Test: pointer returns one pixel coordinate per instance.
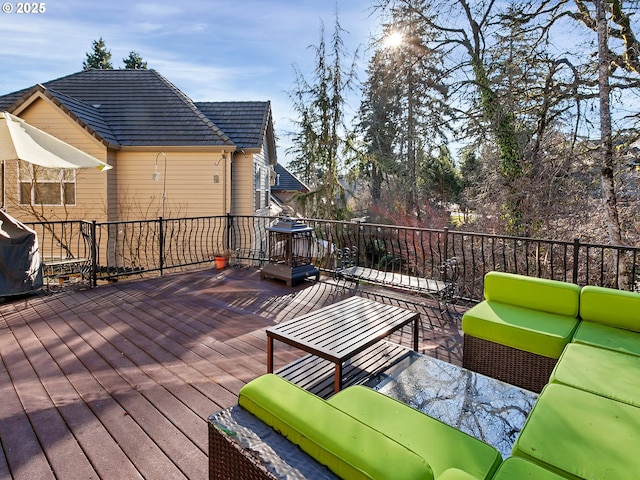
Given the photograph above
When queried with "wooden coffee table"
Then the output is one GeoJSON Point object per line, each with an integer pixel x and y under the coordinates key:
{"type": "Point", "coordinates": [340, 331]}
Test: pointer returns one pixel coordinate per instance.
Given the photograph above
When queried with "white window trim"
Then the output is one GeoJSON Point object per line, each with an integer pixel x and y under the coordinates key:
{"type": "Point", "coordinates": [61, 181]}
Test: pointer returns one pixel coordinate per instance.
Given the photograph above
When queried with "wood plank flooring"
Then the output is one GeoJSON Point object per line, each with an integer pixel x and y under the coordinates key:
{"type": "Point", "coordinates": [117, 382]}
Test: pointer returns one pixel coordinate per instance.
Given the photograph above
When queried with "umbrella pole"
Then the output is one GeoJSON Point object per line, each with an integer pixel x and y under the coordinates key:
{"type": "Point", "coordinates": [2, 191]}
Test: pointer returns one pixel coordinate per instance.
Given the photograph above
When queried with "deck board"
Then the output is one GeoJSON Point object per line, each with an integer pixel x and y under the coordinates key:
{"type": "Point", "coordinates": [118, 381]}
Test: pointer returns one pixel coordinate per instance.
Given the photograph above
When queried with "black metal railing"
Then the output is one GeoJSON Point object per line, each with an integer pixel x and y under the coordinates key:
{"type": "Point", "coordinates": [117, 249]}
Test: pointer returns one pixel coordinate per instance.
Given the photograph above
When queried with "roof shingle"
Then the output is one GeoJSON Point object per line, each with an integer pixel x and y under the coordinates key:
{"type": "Point", "coordinates": [287, 182]}
{"type": "Point", "coordinates": [244, 122]}
{"type": "Point", "coordinates": [131, 108]}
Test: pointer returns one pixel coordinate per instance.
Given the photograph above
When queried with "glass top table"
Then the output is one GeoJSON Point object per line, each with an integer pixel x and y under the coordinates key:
{"type": "Point", "coordinates": [486, 408]}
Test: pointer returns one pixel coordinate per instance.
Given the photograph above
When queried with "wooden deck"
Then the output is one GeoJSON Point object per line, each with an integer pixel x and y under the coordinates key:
{"type": "Point", "coordinates": [117, 382]}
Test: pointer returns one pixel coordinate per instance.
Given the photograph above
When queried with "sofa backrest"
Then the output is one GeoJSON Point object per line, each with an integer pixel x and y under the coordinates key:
{"type": "Point", "coordinates": [608, 306]}
{"type": "Point", "coordinates": [541, 294]}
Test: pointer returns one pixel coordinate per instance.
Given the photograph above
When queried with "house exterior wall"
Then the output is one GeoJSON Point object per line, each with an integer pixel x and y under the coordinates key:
{"type": "Point", "coordinates": [242, 184]}
{"type": "Point", "coordinates": [251, 172]}
{"type": "Point", "coordinates": [189, 183]}
{"type": "Point", "coordinates": [199, 181]}
{"type": "Point", "coordinates": [112, 186]}
{"type": "Point", "coordinates": [90, 184]}
{"type": "Point", "coordinates": [262, 164]}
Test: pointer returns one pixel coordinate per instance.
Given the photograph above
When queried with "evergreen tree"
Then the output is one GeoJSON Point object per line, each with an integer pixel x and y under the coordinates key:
{"type": "Point", "coordinates": [403, 107]}
{"type": "Point", "coordinates": [378, 115]}
{"type": "Point", "coordinates": [134, 62]}
{"type": "Point", "coordinates": [100, 58]}
{"type": "Point", "coordinates": [470, 180]}
{"type": "Point", "coordinates": [320, 142]}
{"type": "Point", "coordinates": [442, 177]}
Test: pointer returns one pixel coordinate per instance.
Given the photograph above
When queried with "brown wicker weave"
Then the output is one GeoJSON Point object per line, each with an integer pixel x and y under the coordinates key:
{"type": "Point", "coordinates": [517, 367]}
{"type": "Point", "coordinates": [229, 461]}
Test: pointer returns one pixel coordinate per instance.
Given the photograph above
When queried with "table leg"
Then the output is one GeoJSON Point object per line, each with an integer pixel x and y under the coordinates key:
{"type": "Point", "coordinates": [416, 330]}
{"type": "Point", "coordinates": [269, 354]}
{"type": "Point", "coordinates": [337, 382]}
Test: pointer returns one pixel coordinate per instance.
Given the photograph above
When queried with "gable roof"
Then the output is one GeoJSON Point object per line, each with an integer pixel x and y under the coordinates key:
{"type": "Point", "coordinates": [287, 182]}
{"type": "Point", "coordinates": [128, 108]}
{"type": "Point", "coordinates": [87, 115]}
{"type": "Point", "coordinates": [246, 123]}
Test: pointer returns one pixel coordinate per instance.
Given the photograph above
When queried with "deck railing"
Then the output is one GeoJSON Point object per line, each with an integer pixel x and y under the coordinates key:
{"type": "Point", "coordinates": [116, 249]}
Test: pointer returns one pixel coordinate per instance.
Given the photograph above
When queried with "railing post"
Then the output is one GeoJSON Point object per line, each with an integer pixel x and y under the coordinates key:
{"type": "Point", "coordinates": [446, 254]}
{"type": "Point", "coordinates": [228, 228]}
{"type": "Point", "coordinates": [358, 230]}
{"type": "Point", "coordinates": [576, 257]}
{"type": "Point", "coordinates": [94, 255]}
{"type": "Point", "coordinates": [161, 245]}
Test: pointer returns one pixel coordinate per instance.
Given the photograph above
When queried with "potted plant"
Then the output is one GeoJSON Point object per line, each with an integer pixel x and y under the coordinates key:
{"type": "Point", "coordinates": [222, 258]}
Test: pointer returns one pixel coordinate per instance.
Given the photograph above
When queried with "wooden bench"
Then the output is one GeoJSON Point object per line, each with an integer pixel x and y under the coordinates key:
{"type": "Point", "coordinates": [63, 268]}
{"type": "Point", "coordinates": [348, 268]}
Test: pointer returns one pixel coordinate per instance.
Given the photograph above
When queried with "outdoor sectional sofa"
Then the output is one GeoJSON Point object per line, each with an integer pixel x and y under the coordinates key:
{"type": "Point", "coordinates": [585, 423]}
{"type": "Point", "coordinates": [360, 434]}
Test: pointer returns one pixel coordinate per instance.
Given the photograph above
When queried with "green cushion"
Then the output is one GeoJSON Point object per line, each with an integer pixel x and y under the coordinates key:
{"type": "Point", "coordinates": [550, 296]}
{"type": "Point", "coordinates": [533, 331]}
{"type": "Point", "coordinates": [595, 334]}
{"type": "Point", "coordinates": [610, 307]}
{"type": "Point", "coordinates": [455, 474]}
{"type": "Point", "coordinates": [603, 372]}
{"type": "Point", "coordinates": [349, 448]}
{"type": "Point", "coordinates": [515, 468]}
{"type": "Point", "coordinates": [583, 434]}
{"type": "Point", "coordinates": [442, 446]}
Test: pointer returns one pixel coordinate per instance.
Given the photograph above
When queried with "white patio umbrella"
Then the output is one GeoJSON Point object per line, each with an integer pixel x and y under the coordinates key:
{"type": "Point", "coordinates": [21, 141]}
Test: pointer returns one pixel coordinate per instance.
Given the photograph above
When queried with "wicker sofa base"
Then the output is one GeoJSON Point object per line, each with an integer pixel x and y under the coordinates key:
{"type": "Point", "coordinates": [517, 367]}
{"type": "Point", "coordinates": [228, 460]}
{"type": "Point", "coordinates": [241, 447]}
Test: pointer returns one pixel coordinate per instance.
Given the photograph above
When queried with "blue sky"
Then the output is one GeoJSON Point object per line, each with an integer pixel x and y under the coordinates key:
{"type": "Point", "coordinates": [213, 50]}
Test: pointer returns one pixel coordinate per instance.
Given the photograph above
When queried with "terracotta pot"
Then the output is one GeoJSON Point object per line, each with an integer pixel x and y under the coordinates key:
{"type": "Point", "coordinates": [221, 262]}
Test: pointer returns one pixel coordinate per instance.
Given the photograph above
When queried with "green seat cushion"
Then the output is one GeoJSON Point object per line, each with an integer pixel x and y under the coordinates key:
{"type": "Point", "coordinates": [595, 334]}
{"type": "Point", "coordinates": [551, 296]}
{"type": "Point", "coordinates": [583, 434]}
{"type": "Point", "coordinates": [442, 446]}
{"type": "Point", "coordinates": [611, 307]}
{"type": "Point", "coordinates": [515, 468]}
{"type": "Point", "coordinates": [533, 331]}
{"type": "Point", "coordinates": [348, 447]}
{"type": "Point", "coordinates": [603, 372]}
{"type": "Point", "coordinates": [455, 474]}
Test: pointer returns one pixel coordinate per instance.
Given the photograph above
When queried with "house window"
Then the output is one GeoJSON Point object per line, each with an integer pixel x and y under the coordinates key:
{"type": "Point", "coordinates": [46, 186]}
{"type": "Point", "coordinates": [258, 187]}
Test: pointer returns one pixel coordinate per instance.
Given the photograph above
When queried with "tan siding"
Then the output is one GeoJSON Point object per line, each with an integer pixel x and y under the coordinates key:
{"type": "Point", "coordinates": [128, 191]}
{"type": "Point", "coordinates": [112, 186]}
{"type": "Point", "coordinates": [190, 187]}
{"type": "Point", "coordinates": [262, 161]}
{"type": "Point", "coordinates": [91, 193]}
{"type": "Point", "coordinates": [242, 185]}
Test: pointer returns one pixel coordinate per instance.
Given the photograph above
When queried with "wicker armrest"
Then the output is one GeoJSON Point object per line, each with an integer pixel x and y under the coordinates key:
{"type": "Point", "coordinates": [243, 447]}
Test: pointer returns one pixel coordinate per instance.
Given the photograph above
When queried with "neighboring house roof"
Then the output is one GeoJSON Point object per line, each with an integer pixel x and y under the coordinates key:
{"type": "Point", "coordinates": [287, 182]}
{"type": "Point", "coordinates": [128, 108]}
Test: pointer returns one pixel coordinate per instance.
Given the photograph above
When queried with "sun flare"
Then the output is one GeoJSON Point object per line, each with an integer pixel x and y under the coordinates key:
{"type": "Point", "coordinates": [393, 40]}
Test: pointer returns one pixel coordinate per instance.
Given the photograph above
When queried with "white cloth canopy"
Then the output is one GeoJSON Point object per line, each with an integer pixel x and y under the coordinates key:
{"type": "Point", "coordinates": [21, 141]}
